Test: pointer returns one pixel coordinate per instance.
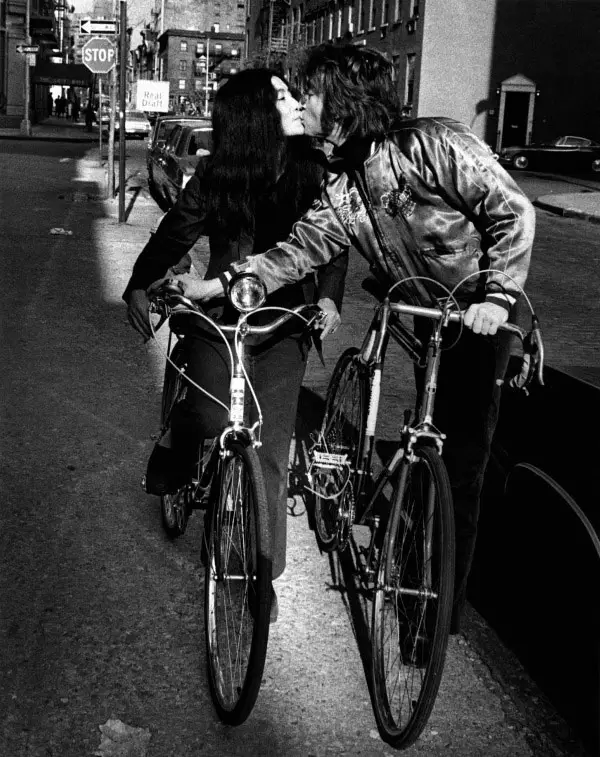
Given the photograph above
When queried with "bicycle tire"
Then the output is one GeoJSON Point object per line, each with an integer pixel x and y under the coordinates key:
{"type": "Point", "coordinates": [342, 431]}
{"type": "Point", "coordinates": [410, 631]}
{"type": "Point", "coordinates": [174, 507]}
{"type": "Point", "coordinates": [238, 583]}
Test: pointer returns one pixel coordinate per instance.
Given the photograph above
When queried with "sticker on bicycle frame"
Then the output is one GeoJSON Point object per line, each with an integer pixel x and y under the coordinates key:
{"type": "Point", "coordinates": [329, 460]}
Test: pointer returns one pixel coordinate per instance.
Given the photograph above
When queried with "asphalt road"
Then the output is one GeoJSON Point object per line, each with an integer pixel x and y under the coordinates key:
{"type": "Point", "coordinates": [100, 613]}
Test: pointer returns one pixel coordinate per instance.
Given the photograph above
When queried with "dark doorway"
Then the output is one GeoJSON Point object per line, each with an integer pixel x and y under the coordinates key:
{"type": "Point", "coordinates": [516, 110]}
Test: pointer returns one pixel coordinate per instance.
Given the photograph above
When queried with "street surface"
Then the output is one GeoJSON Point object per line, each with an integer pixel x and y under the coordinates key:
{"type": "Point", "coordinates": [100, 614]}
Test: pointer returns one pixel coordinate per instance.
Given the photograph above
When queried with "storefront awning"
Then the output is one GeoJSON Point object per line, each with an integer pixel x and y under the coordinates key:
{"type": "Point", "coordinates": [68, 74]}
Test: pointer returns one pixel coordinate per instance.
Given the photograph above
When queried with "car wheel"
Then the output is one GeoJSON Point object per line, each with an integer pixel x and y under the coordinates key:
{"type": "Point", "coordinates": [520, 162]}
{"type": "Point", "coordinates": [596, 165]}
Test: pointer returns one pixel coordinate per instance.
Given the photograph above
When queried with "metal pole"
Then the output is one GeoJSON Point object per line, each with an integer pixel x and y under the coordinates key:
{"type": "Point", "coordinates": [111, 133]}
{"type": "Point", "coordinates": [99, 79]}
{"type": "Point", "coordinates": [26, 123]}
{"type": "Point", "coordinates": [122, 85]}
{"type": "Point", "coordinates": [206, 86]}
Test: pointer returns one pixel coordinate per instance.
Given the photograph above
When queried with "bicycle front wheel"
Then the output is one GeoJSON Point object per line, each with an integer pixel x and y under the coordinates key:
{"type": "Point", "coordinates": [413, 599]}
{"type": "Point", "coordinates": [342, 433]}
{"type": "Point", "coordinates": [174, 507]}
{"type": "Point", "coordinates": [238, 583]}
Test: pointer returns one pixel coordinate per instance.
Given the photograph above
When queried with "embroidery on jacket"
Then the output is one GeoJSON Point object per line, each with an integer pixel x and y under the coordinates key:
{"type": "Point", "coordinates": [399, 200]}
{"type": "Point", "coordinates": [350, 208]}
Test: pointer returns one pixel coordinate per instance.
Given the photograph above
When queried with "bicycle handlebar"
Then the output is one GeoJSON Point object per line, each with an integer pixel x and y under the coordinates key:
{"type": "Point", "coordinates": [168, 301]}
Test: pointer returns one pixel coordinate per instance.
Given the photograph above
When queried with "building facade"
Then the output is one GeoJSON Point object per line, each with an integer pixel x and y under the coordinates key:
{"type": "Point", "coordinates": [515, 71]}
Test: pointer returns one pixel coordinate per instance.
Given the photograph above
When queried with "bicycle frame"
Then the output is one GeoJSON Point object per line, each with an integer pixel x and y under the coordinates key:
{"type": "Point", "coordinates": [372, 355]}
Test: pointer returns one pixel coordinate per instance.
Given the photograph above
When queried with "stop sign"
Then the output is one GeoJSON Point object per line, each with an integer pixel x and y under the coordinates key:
{"type": "Point", "coordinates": [98, 54]}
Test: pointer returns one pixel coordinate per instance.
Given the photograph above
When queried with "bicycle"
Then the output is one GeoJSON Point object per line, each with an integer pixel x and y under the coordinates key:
{"type": "Point", "coordinates": [228, 483]}
{"type": "Point", "coordinates": [408, 566]}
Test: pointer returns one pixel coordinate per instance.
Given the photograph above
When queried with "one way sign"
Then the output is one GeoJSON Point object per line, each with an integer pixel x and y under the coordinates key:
{"type": "Point", "coordinates": [97, 26]}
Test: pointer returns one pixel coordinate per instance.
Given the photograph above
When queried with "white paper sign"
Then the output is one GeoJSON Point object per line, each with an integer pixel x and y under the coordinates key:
{"type": "Point", "coordinates": [152, 95]}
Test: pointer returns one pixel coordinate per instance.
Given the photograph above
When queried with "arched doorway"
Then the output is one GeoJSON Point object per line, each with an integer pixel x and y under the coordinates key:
{"type": "Point", "coordinates": [515, 116]}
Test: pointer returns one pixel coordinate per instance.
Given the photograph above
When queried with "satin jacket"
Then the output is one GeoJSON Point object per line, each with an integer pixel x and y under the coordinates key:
{"type": "Point", "coordinates": [429, 199]}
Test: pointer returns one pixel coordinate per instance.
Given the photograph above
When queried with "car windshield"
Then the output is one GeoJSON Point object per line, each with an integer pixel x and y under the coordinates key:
{"type": "Point", "coordinates": [135, 114]}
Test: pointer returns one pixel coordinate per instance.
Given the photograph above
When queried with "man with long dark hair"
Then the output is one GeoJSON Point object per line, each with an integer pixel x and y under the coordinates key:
{"type": "Point", "coordinates": [420, 197]}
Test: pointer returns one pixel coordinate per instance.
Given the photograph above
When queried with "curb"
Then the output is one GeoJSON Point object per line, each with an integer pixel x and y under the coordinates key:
{"type": "Point", "coordinates": [567, 212]}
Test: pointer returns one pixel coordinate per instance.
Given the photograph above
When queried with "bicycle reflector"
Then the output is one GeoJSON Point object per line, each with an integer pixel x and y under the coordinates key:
{"type": "Point", "coordinates": [247, 292]}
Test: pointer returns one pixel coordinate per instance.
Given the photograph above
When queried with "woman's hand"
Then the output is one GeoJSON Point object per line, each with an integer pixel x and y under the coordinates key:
{"type": "Point", "coordinates": [193, 285]}
{"type": "Point", "coordinates": [137, 312]}
{"type": "Point", "coordinates": [332, 320]}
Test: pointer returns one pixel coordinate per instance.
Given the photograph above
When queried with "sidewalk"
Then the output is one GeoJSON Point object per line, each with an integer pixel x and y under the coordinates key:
{"type": "Point", "coordinates": [584, 205]}
{"type": "Point", "coordinates": [53, 128]}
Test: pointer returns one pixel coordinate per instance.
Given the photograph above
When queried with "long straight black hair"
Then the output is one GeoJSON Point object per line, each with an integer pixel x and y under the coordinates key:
{"type": "Point", "coordinates": [250, 154]}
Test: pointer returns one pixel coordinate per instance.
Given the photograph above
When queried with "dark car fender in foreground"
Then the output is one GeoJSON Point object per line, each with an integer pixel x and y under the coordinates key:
{"type": "Point", "coordinates": [536, 575]}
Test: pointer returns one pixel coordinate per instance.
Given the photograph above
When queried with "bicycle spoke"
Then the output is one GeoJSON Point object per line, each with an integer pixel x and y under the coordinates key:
{"type": "Point", "coordinates": [237, 584]}
{"type": "Point", "coordinates": [411, 612]}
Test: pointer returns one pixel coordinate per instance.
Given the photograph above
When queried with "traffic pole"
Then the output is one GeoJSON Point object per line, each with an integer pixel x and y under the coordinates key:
{"type": "Point", "coordinates": [122, 85]}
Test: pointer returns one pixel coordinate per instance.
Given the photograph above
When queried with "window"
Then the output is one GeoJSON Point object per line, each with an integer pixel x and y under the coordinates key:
{"type": "Point", "coordinates": [199, 48]}
{"type": "Point", "coordinates": [198, 84]}
{"type": "Point", "coordinates": [182, 84]}
{"type": "Point", "coordinates": [339, 16]}
{"type": "Point", "coordinates": [183, 66]}
{"type": "Point", "coordinates": [330, 25]}
{"type": "Point", "coordinates": [409, 85]}
{"type": "Point", "coordinates": [234, 52]}
{"type": "Point", "coordinates": [183, 46]}
{"type": "Point", "coordinates": [397, 10]}
{"type": "Point", "coordinates": [395, 68]}
{"type": "Point", "coordinates": [350, 22]}
{"type": "Point", "coordinates": [372, 15]}
{"type": "Point", "coordinates": [313, 32]}
{"type": "Point", "coordinates": [218, 48]}
{"type": "Point", "coordinates": [385, 12]}
{"type": "Point", "coordinates": [199, 67]}
{"type": "Point", "coordinates": [414, 8]}
{"type": "Point", "coordinates": [361, 15]}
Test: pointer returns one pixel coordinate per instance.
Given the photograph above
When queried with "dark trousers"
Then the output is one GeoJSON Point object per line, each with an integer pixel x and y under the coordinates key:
{"type": "Point", "coordinates": [276, 369]}
{"type": "Point", "coordinates": [466, 410]}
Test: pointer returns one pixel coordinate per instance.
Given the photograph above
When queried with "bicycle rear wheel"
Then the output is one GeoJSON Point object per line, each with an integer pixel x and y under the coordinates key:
{"type": "Point", "coordinates": [174, 507]}
{"type": "Point", "coordinates": [342, 433]}
{"type": "Point", "coordinates": [238, 584]}
{"type": "Point", "coordinates": [413, 599]}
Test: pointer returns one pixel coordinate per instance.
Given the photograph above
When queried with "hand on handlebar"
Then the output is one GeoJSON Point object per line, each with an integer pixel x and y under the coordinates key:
{"type": "Point", "coordinates": [331, 320]}
{"type": "Point", "coordinates": [485, 318]}
{"type": "Point", "coordinates": [137, 313]}
{"type": "Point", "coordinates": [193, 286]}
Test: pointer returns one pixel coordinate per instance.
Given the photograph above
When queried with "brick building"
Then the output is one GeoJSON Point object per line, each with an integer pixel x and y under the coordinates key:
{"type": "Point", "coordinates": [195, 63]}
{"type": "Point", "coordinates": [514, 71]}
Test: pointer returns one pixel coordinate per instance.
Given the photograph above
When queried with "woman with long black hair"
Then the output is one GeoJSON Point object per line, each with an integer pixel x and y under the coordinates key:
{"type": "Point", "coordinates": [261, 177]}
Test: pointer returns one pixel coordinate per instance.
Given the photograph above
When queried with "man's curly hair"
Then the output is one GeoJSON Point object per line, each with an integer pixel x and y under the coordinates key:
{"type": "Point", "coordinates": [357, 88]}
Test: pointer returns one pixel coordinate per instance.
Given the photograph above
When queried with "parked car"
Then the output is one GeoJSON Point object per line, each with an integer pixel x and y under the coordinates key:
{"type": "Point", "coordinates": [163, 126]}
{"type": "Point", "coordinates": [176, 162]}
{"type": "Point", "coordinates": [564, 153]}
{"type": "Point", "coordinates": [136, 124]}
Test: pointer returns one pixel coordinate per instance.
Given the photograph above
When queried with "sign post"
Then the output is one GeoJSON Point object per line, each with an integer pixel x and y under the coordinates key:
{"type": "Point", "coordinates": [26, 123]}
{"type": "Point", "coordinates": [122, 85]}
